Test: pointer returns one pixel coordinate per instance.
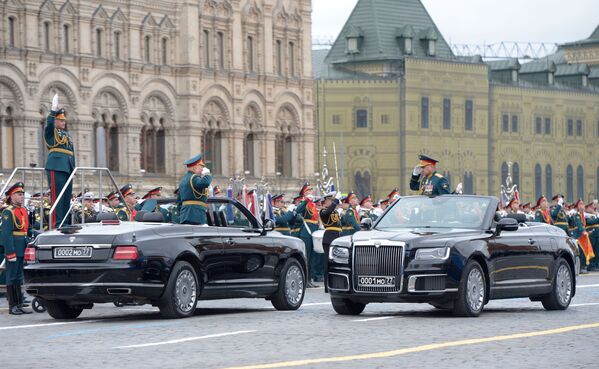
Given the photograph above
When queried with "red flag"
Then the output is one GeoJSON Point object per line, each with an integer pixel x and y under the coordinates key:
{"type": "Point", "coordinates": [585, 244]}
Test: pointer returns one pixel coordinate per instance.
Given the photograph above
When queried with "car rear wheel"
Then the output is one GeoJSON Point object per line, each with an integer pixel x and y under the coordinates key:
{"type": "Point", "coordinates": [472, 291]}
{"type": "Point", "coordinates": [347, 306]}
{"type": "Point", "coordinates": [292, 287]}
{"type": "Point", "coordinates": [61, 310]}
{"type": "Point", "coordinates": [561, 293]}
{"type": "Point", "coordinates": [180, 296]}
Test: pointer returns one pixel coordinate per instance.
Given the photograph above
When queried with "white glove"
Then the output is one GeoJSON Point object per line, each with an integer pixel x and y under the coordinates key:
{"type": "Point", "coordinates": [459, 188]}
{"type": "Point", "coordinates": [310, 197]}
{"type": "Point", "coordinates": [338, 195]}
{"type": "Point", "coordinates": [417, 170]}
{"type": "Point", "coordinates": [55, 103]}
{"type": "Point", "coordinates": [205, 172]}
{"type": "Point", "coordinates": [560, 201]}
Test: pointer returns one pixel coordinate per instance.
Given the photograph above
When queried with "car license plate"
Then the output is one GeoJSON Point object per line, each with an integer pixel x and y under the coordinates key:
{"type": "Point", "coordinates": [369, 281]}
{"type": "Point", "coordinates": [72, 252]}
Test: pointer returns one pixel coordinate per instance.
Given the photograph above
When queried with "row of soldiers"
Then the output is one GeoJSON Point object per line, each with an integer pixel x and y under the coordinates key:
{"type": "Point", "coordinates": [578, 220]}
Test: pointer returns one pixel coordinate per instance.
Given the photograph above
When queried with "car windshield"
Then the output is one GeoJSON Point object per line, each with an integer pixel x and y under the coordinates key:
{"type": "Point", "coordinates": [436, 212]}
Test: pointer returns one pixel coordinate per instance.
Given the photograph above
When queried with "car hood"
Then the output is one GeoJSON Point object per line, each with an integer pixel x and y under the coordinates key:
{"type": "Point", "coordinates": [423, 237]}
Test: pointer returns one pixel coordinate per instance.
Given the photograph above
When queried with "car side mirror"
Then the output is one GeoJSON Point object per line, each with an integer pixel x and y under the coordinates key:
{"type": "Point", "coordinates": [268, 226]}
{"type": "Point", "coordinates": [506, 224]}
{"type": "Point", "coordinates": [366, 224]}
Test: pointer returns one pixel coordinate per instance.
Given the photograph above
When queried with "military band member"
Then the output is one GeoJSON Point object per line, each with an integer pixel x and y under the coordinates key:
{"type": "Point", "coordinates": [307, 210]}
{"type": "Point", "coordinates": [193, 192]}
{"type": "Point", "coordinates": [87, 213]}
{"type": "Point", "coordinates": [61, 161]}
{"type": "Point", "coordinates": [297, 223]}
{"type": "Point", "coordinates": [544, 214]}
{"type": "Point", "coordinates": [580, 223]}
{"type": "Point", "coordinates": [426, 180]}
{"type": "Point", "coordinates": [559, 214]}
{"type": "Point", "coordinates": [332, 227]}
{"type": "Point", "coordinates": [351, 218]}
{"type": "Point", "coordinates": [14, 236]}
{"type": "Point", "coordinates": [282, 216]}
{"type": "Point", "coordinates": [513, 207]}
{"type": "Point", "coordinates": [122, 211]}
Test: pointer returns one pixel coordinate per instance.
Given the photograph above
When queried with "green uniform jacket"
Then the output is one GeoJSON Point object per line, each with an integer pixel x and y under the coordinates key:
{"type": "Point", "coordinates": [593, 228]}
{"type": "Point", "coordinates": [303, 210]}
{"type": "Point", "coordinates": [13, 243]}
{"type": "Point", "coordinates": [193, 197]}
{"type": "Point", "coordinates": [296, 225]}
{"type": "Point", "coordinates": [283, 220]}
{"type": "Point", "coordinates": [581, 227]}
{"type": "Point", "coordinates": [350, 222]}
{"type": "Point", "coordinates": [61, 150]}
{"type": "Point", "coordinates": [434, 185]}
{"type": "Point", "coordinates": [560, 218]}
{"type": "Point", "coordinates": [123, 213]}
{"type": "Point", "coordinates": [541, 219]}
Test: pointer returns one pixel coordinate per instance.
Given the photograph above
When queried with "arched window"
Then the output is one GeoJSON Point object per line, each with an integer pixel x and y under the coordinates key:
{"type": "Point", "coordinates": [161, 148]}
{"type": "Point", "coordinates": [147, 49]}
{"type": "Point", "coordinates": [291, 59]}
{"type": "Point", "coordinates": [207, 48]}
{"type": "Point", "coordinates": [112, 147]}
{"type": "Point", "coordinates": [287, 142]}
{"type": "Point", "coordinates": [570, 183]}
{"type": "Point", "coordinates": [468, 183]}
{"type": "Point", "coordinates": [516, 176]}
{"type": "Point", "coordinates": [212, 141]}
{"type": "Point", "coordinates": [580, 182]}
{"type": "Point", "coordinates": [250, 54]}
{"type": "Point", "coordinates": [46, 36]}
{"type": "Point", "coordinates": [117, 45]}
{"type": "Point", "coordinates": [249, 155]}
{"type": "Point", "coordinates": [279, 57]}
{"type": "Point", "coordinates": [504, 170]}
{"type": "Point", "coordinates": [164, 51]}
{"type": "Point", "coordinates": [66, 39]}
{"type": "Point", "coordinates": [548, 181]}
{"type": "Point", "coordinates": [221, 49]}
{"type": "Point", "coordinates": [99, 43]}
{"type": "Point", "coordinates": [6, 134]}
{"type": "Point", "coordinates": [538, 181]}
{"type": "Point", "coordinates": [11, 31]}
{"type": "Point", "coordinates": [362, 184]}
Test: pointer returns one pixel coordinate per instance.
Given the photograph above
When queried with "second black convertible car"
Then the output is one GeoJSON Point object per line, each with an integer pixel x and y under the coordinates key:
{"type": "Point", "coordinates": [167, 265]}
{"type": "Point", "coordinates": [452, 252]}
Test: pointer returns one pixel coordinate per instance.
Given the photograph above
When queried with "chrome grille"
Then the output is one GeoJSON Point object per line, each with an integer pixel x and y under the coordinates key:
{"type": "Point", "coordinates": [385, 260]}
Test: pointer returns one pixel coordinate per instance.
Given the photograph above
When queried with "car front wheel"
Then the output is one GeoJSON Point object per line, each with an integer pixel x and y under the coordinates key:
{"type": "Point", "coordinates": [181, 293]}
{"type": "Point", "coordinates": [292, 287]}
{"type": "Point", "coordinates": [472, 291]}
{"type": "Point", "coordinates": [561, 293]}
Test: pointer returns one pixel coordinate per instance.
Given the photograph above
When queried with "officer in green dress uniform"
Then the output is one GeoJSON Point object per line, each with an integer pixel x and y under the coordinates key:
{"type": "Point", "coordinates": [307, 210]}
{"type": "Point", "coordinates": [14, 236]}
{"type": "Point", "coordinates": [351, 218]}
{"type": "Point", "coordinates": [298, 222]}
{"type": "Point", "coordinates": [122, 211]}
{"type": "Point", "coordinates": [113, 200]}
{"type": "Point", "coordinates": [559, 215]}
{"type": "Point", "coordinates": [367, 209]}
{"type": "Point", "coordinates": [193, 192]}
{"type": "Point", "coordinates": [332, 227]}
{"type": "Point", "coordinates": [580, 223]}
{"type": "Point", "coordinates": [393, 196]}
{"type": "Point", "coordinates": [593, 231]}
{"type": "Point", "coordinates": [426, 180]}
{"type": "Point", "coordinates": [175, 210]}
{"type": "Point", "coordinates": [61, 161]}
{"type": "Point", "coordinates": [283, 218]}
{"type": "Point", "coordinates": [544, 214]}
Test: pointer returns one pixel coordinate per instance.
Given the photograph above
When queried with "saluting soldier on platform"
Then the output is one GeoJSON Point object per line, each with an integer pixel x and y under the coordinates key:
{"type": "Point", "coordinates": [283, 218]}
{"type": "Point", "coordinates": [122, 211]}
{"type": "Point", "coordinates": [193, 192]}
{"type": "Point", "coordinates": [15, 232]}
{"type": "Point", "coordinates": [426, 180]}
{"type": "Point", "coordinates": [61, 161]}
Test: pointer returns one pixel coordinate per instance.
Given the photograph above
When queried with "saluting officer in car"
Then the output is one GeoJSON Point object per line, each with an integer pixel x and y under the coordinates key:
{"type": "Point", "coordinates": [426, 180]}
{"type": "Point", "coordinates": [193, 192]}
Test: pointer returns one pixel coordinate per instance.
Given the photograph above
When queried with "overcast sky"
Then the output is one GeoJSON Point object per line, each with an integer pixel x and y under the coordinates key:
{"type": "Point", "coordinates": [480, 21]}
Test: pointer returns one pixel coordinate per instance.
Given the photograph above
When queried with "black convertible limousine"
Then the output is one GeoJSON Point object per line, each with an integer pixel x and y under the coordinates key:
{"type": "Point", "coordinates": [167, 265]}
{"type": "Point", "coordinates": [454, 253]}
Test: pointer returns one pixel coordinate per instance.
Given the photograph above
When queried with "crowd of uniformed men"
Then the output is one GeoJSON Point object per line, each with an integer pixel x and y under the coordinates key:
{"type": "Point", "coordinates": [335, 213]}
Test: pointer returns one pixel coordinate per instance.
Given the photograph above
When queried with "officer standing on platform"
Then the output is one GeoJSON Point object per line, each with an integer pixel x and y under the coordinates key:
{"type": "Point", "coordinates": [332, 227]}
{"type": "Point", "coordinates": [193, 192]}
{"type": "Point", "coordinates": [283, 218]}
{"type": "Point", "coordinates": [15, 229]}
{"type": "Point", "coordinates": [426, 180]}
{"type": "Point", "coordinates": [61, 161]}
{"type": "Point", "coordinates": [122, 211]}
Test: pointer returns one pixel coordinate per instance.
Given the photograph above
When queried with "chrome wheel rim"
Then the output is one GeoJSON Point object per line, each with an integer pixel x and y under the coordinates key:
{"type": "Point", "coordinates": [185, 291]}
{"type": "Point", "coordinates": [475, 290]}
{"type": "Point", "coordinates": [294, 285]}
{"type": "Point", "coordinates": [563, 285]}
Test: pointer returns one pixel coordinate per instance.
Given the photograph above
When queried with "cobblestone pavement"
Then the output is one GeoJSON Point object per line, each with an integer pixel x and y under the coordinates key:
{"type": "Point", "coordinates": [233, 333]}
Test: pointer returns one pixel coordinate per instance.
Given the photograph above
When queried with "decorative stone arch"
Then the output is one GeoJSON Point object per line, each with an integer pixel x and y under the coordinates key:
{"type": "Point", "coordinates": [253, 117]}
{"type": "Point", "coordinates": [64, 92]}
{"type": "Point", "coordinates": [109, 100]}
{"type": "Point", "coordinates": [160, 85]}
{"type": "Point", "coordinates": [288, 119]}
{"type": "Point", "coordinates": [158, 106]}
{"type": "Point", "coordinates": [216, 114]}
{"type": "Point", "coordinates": [219, 91]}
{"type": "Point", "coordinates": [252, 13]}
{"type": "Point", "coordinates": [14, 99]}
{"type": "Point", "coordinates": [217, 8]}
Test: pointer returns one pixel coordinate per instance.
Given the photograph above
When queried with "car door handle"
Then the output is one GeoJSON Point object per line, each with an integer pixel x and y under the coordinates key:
{"type": "Point", "coordinates": [230, 241]}
{"type": "Point", "coordinates": [531, 241]}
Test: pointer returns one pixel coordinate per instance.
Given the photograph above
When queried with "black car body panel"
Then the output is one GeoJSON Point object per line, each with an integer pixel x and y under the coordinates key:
{"type": "Point", "coordinates": [231, 261]}
{"type": "Point", "coordinates": [517, 264]}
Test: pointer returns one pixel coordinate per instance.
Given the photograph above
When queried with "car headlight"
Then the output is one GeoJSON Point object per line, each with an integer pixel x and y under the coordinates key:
{"type": "Point", "coordinates": [339, 255]}
{"type": "Point", "coordinates": [441, 253]}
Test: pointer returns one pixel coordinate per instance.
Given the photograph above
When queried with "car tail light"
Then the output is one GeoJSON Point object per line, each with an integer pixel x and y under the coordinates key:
{"type": "Point", "coordinates": [30, 254]}
{"type": "Point", "coordinates": [125, 253]}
